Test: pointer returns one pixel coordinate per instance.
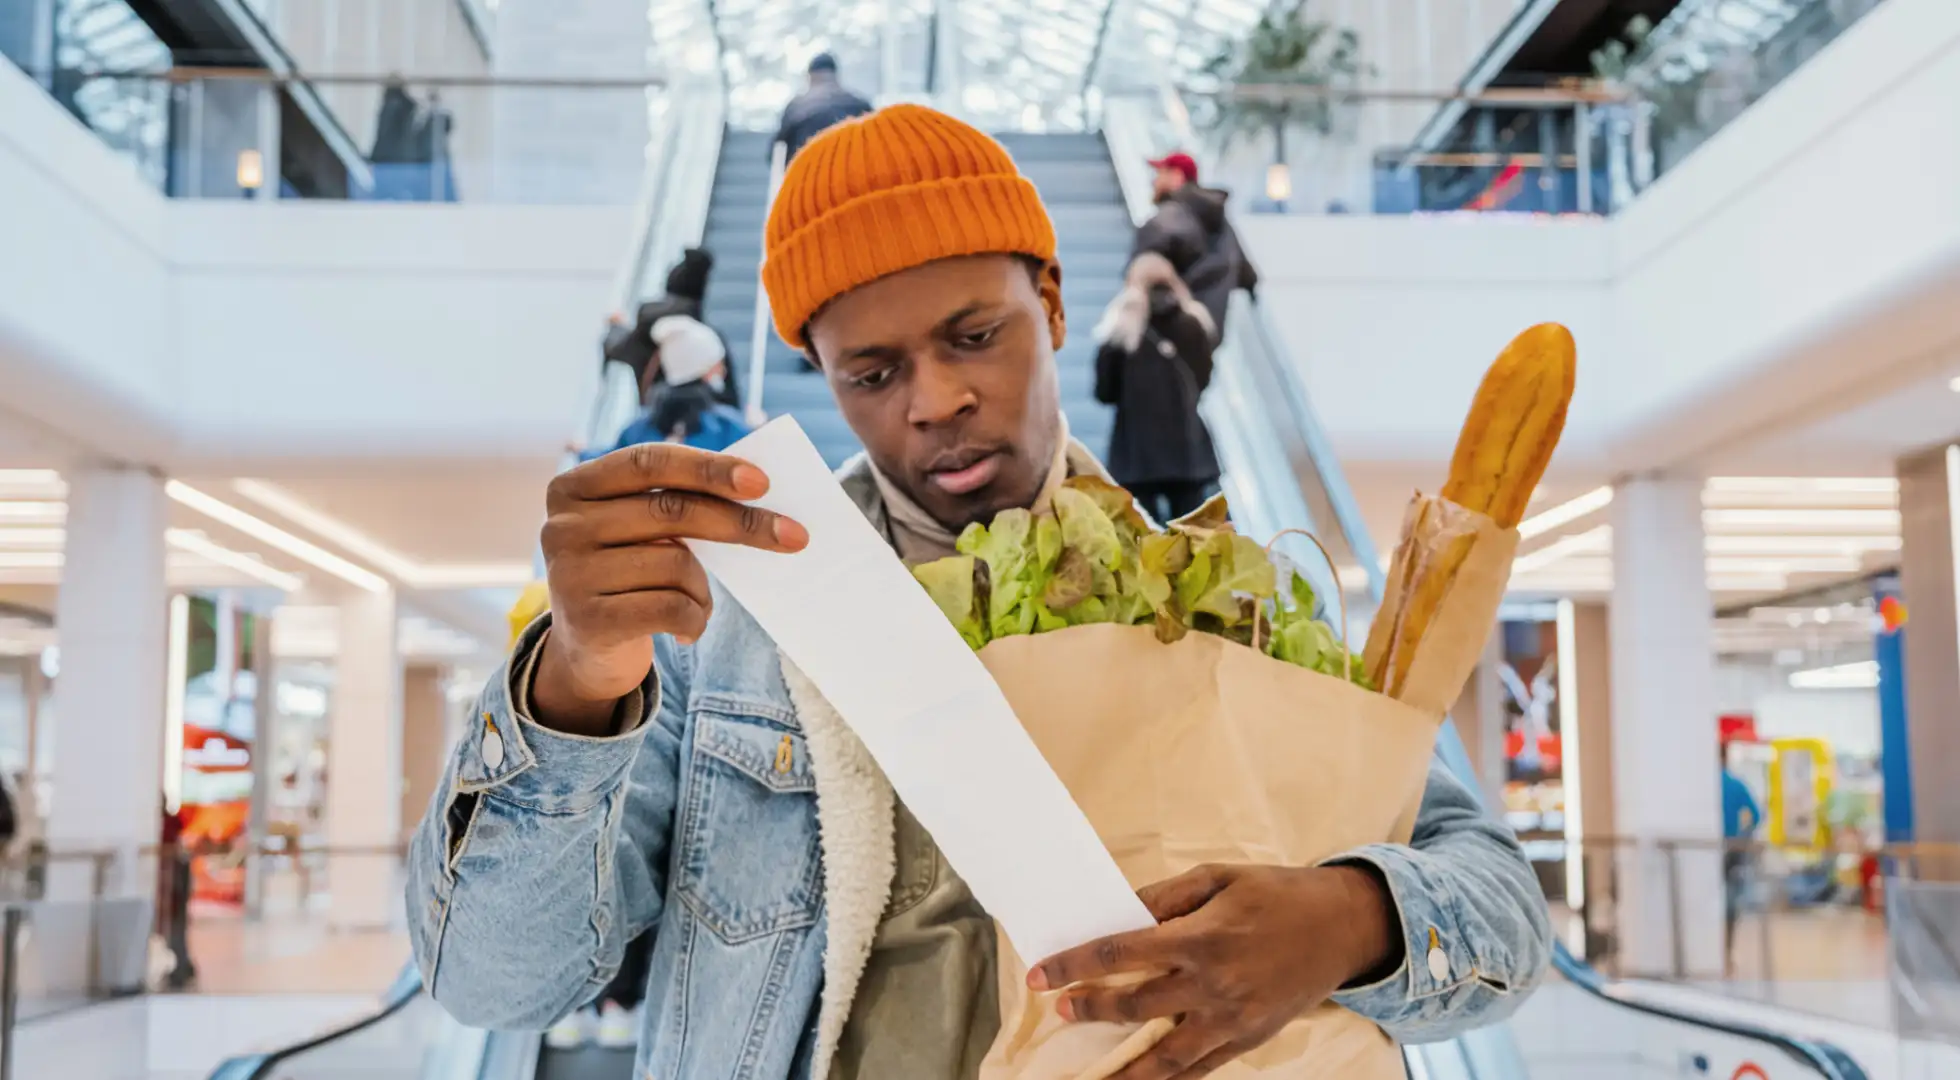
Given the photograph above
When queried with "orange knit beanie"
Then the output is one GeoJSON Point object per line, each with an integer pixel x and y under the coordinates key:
{"type": "Point", "coordinates": [899, 188]}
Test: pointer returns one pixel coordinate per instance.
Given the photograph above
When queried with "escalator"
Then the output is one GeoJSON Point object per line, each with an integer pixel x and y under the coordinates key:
{"type": "Point", "coordinates": [1280, 471]}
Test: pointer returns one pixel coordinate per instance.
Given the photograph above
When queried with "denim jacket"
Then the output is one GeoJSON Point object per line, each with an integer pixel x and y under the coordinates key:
{"type": "Point", "coordinates": [737, 818]}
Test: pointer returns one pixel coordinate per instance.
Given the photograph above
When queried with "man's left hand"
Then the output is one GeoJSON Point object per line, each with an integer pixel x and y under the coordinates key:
{"type": "Point", "coordinates": [1239, 953]}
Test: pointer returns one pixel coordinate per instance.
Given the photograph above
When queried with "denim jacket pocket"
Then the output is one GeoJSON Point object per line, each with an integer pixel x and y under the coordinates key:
{"type": "Point", "coordinates": [747, 856]}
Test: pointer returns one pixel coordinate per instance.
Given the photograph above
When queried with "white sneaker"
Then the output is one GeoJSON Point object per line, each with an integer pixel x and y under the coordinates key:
{"type": "Point", "coordinates": [619, 1029]}
{"type": "Point", "coordinates": [571, 1032]}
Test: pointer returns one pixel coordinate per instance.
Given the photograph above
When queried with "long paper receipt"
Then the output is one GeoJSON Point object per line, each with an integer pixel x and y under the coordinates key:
{"type": "Point", "coordinates": [846, 611]}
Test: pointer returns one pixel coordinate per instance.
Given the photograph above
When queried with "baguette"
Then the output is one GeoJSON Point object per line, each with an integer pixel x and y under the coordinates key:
{"type": "Point", "coordinates": [1514, 425]}
{"type": "Point", "coordinates": [1506, 443]}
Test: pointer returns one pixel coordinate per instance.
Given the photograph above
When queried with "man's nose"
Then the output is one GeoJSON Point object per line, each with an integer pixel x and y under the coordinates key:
{"type": "Point", "coordinates": [940, 395]}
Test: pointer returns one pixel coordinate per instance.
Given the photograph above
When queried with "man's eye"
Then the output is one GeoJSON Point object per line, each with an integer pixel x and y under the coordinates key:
{"type": "Point", "coordinates": [872, 380]}
{"type": "Point", "coordinates": [975, 339]}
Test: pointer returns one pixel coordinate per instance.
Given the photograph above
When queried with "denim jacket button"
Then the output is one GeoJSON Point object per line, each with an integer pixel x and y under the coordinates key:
{"type": "Point", "coordinates": [493, 749]}
{"type": "Point", "coordinates": [1439, 965]}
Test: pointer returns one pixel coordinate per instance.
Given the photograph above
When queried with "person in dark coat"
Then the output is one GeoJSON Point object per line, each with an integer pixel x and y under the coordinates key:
{"type": "Point", "coordinates": [1191, 230]}
{"type": "Point", "coordinates": [686, 294]}
{"type": "Point", "coordinates": [825, 104]}
{"type": "Point", "coordinates": [1153, 360]}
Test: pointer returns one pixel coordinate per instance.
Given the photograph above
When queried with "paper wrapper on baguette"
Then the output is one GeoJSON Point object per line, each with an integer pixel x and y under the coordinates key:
{"type": "Point", "coordinates": [1461, 558]}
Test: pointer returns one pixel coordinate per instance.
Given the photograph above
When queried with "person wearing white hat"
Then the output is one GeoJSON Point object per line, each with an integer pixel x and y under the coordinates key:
{"type": "Point", "coordinates": [686, 406]}
{"type": "Point", "coordinates": [688, 351]}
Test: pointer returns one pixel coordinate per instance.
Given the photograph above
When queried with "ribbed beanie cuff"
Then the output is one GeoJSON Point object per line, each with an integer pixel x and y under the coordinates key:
{"type": "Point", "coordinates": [961, 196]}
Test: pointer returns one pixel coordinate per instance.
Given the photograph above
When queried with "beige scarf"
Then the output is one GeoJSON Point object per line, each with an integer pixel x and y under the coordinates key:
{"type": "Point", "coordinates": [921, 538]}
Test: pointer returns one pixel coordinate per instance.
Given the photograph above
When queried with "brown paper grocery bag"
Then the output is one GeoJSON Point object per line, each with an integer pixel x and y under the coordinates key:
{"type": "Point", "coordinates": [1205, 752]}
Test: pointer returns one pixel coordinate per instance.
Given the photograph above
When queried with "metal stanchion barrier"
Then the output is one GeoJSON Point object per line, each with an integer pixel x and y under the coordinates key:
{"type": "Point", "coordinates": [9, 987]}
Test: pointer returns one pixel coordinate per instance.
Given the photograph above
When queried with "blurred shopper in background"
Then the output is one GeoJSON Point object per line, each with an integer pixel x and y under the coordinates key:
{"type": "Point", "coordinates": [1741, 814]}
{"type": "Point", "coordinates": [1153, 360]}
{"type": "Point", "coordinates": [687, 405]}
{"type": "Point", "coordinates": [174, 897]}
{"type": "Point", "coordinates": [682, 389]}
{"type": "Point", "coordinates": [1191, 230]}
{"type": "Point", "coordinates": [686, 294]}
{"type": "Point", "coordinates": [823, 104]}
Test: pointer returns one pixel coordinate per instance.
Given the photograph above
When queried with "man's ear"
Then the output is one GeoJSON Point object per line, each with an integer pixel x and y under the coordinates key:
{"type": "Point", "coordinates": [1050, 284]}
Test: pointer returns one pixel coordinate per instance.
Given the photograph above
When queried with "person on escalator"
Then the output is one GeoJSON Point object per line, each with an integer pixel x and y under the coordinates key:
{"type": "Point", "coordinates": [681, 389]}
{"type": "Point", "coordinates": [1190, 228]}
{"type": "Point", "coordinates": [647, 761]}
{"type": "Point", "coordinates": [825, 103]}
{"type": "Point", "coordinates": [631, 343]}
{"type": "Point", "coordinates": [1153, 360]}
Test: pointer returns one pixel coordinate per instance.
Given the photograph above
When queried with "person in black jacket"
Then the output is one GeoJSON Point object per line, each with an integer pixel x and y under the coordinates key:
{"type": "Point", "coordinates": [1191, 230]}
{"type": "Point", "coordinates": [686, 294]}
{"type": "Point", "coordinates": [824, 105]}
{"type": "Point", "coordinates": [1153, 360]}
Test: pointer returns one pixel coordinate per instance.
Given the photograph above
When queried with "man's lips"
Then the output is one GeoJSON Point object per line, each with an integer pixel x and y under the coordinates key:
{"type": "Point", "coordinates": [967, 478]}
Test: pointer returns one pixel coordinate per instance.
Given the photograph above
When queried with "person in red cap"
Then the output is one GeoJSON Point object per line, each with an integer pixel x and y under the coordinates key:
{"type": "Point", "coordinates": [1191, 230]}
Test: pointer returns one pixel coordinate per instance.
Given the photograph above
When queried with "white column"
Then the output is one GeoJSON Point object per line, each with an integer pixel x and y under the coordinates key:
{"type": "Point", "coordinates": [1928, 739]}
{"type": "Point", "coordinates": [364, 771]}
{"type": "Point", "coordinates": [112, 615]}
{"type": "Point", "coordinates": [1666, 758]}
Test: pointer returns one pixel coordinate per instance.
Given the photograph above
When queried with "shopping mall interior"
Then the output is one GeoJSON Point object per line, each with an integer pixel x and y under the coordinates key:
{"type": "Point", "coordinates": [304, 303]}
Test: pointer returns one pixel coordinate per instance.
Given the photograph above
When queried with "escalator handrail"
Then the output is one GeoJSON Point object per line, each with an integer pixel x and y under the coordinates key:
{"type": "Point", "coordinates": [1825, 1059]}
{"type": "Point", "coordinates": [759, 333]}
{"type": "Point", "coordinates": [1828, 1061]}
{"type": "Point", "coordinates": [400, 994]}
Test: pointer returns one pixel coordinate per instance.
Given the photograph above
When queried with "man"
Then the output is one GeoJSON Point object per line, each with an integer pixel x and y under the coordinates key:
{"type": "Point", "coordinates": [1190, 229]}
{"type": "Point", "coordinates": [1740, 816]}
{"type": "Point", "coordinates": [647, 760]}
{"type": "Point", "coordinates": [824, 104]}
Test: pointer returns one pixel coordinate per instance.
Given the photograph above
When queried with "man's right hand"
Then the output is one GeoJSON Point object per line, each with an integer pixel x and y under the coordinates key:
{"type": "Point", "coordinates": [619, 573]}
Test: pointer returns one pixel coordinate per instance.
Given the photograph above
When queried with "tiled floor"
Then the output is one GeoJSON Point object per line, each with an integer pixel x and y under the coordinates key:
{"type": "Point", "coordinates": [291, 954]}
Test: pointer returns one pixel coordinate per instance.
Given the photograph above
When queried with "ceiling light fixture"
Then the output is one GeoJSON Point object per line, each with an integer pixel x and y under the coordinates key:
{"type": "Point", "coordinates": [42, 536]}
{"type": "Point", "coordinates": [1566, 512]}
{"type": "Point", "coordinates": [1857, 675]}
{"type": "Point", "coordinates": [34, 512]}
{"type": "Point", "coordinates": [1596, 540]}
{"type": "Point", "coordinates": [1811, 565]}
{"type": "Point", "coordinates": [196, 543]}
{"type": "Point", "coordinates": [1737, 544]}
{"type": "Point", "coordinates": [265, 532]}
{"type": "Point", "coordinates": [30, 560]}
{"type": "Point", "coordinates": [1802, 485]}
{"type": "Point", "coordinates": [391, 562]}
{"type": "Point", "coordinates": [1875, 520]}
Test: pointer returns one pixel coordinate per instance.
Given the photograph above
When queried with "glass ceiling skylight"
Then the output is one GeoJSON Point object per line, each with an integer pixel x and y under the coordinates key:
{"type": "Point", "coordinates": [1022, 64]}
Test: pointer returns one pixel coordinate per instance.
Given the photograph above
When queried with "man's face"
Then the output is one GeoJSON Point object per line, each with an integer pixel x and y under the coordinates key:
{"type": "Point", "coordinates": [1167, 182]}
{"type": "Point", "coordinates": [946, 372]}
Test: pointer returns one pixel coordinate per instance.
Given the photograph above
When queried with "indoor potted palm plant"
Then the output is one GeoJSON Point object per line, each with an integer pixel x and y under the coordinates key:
{"type": "Point", "coordinates": [1259, 80]}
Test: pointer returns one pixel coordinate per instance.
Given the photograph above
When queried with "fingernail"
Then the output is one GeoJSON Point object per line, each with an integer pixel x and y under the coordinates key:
{"type": "Point", "coordinates": [1037, 979]}
{"type": "Point", "coordinates": [1065, 1008]}
{"type": "Point", "coordinates": [750, 482]}
{"type": "Point", "coordinates": [791, 535]}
